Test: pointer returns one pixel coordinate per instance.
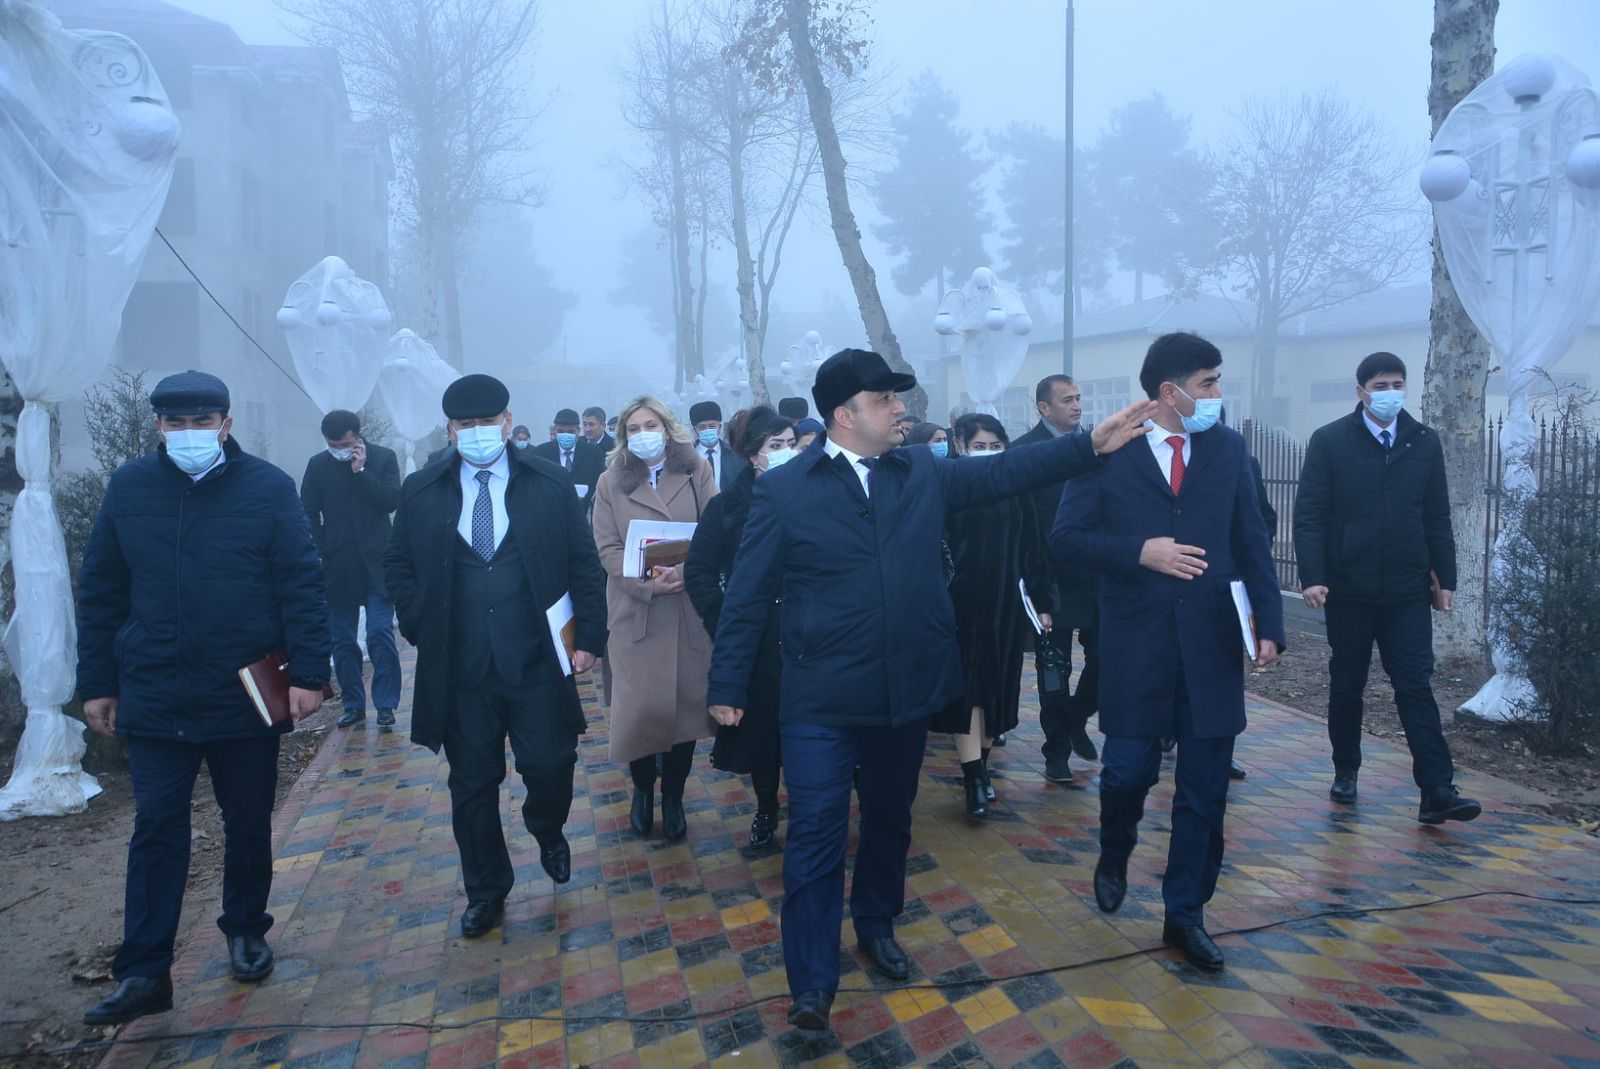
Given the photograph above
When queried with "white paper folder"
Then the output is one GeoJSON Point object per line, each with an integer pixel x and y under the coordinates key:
{"type": "Point", "coordinates": [1247, 617]}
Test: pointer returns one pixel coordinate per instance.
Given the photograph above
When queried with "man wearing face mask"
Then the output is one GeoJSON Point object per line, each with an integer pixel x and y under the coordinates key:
{"type": "Point", "coordinates": [570, 452]}
{"type": "Point", "coordinates": [201, 562]}
{"type": "Point", "coordinates": [349, 491]}
{"type": "Point", "coordinates": [486, 540]}
{"type": "Point", "coordinates": [726, 464]}
{"type": "Point", "coordinates": [1376, 552]}
{"type": "Point", "coordinates": [521, 436]}
{"type": "Point", "coordinates": [1167, 524]}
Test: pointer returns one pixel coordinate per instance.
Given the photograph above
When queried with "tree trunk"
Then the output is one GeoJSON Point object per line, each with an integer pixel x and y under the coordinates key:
{"type": "Point", "coordinates": [689, 355]}
{"type": "Point", "coordinates": [1138, 286]}
{"type": "Point", "coordinates": [745, 273]}
{"type": "Point", "coordinates": [450, 294]}
{"type": "Point", "coordinates": [797, 15]}
{"type": "Point", "coordinates": [1458, 356]}
{"type": "Point", "coordinates": [700, 301]}
{"type": "Point", "coordinates": [12, 711]}
{"type": "Point", "coordinates": [1264, 391]}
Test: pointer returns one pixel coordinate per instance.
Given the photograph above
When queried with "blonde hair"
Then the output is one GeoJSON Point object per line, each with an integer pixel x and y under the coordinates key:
{"type": "Point", "coordinates": [675, 431]}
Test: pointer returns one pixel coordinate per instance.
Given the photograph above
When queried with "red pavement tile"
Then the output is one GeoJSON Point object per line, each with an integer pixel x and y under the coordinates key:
{"type": "Point", "coordinates": [936, 1031]}
{"type": "Point", "coordinates": [1091, 1049]}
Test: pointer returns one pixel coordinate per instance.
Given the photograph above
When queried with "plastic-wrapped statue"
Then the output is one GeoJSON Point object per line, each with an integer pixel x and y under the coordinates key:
{"type": "Point", "coordinates": [994, 328]}
{"type": "Point", "coordinates": [336, 323]}
{"type": "Point", "coordinates": [412, 381]}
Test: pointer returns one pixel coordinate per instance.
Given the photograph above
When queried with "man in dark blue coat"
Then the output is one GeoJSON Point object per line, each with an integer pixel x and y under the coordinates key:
{"type": "Point", "coordinates": [1168, 524]}
{"type": "Point", "coordinates": [850, 532]}
{"type": "Point", "coordinates": [201, 562]}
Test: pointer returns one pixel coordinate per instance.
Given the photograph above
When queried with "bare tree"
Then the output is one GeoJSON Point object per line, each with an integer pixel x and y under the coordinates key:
{"type": "Point", "coordinates": [1304, 206]}
{"type": "Point", "coordinates": [445, 77]}
{"type": "Point", "coordinates": [1458, 356]}
{"type": "Point", "coordinates": [793, 46]}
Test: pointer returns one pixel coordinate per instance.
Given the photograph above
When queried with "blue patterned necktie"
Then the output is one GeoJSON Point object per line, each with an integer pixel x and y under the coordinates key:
{"type": "Point", "coordinates": [483, 519]}
{"type": "Point", "coordinates": [1385, 439]}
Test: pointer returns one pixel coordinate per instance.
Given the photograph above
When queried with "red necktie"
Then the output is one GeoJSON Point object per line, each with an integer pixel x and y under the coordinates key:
{"type": "Point", "coordinates": [1176, 442]}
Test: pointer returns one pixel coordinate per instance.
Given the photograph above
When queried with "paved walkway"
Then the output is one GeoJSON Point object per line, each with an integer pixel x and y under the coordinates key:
{"type": "Point", "coordinates": [367, 901]}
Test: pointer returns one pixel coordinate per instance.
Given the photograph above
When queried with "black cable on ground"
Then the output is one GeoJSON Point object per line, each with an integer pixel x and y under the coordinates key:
{"type": "Point", "coordinates": [724, 1011]}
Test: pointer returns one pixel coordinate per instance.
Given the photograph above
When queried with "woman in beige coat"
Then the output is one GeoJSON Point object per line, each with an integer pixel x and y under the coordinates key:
{"type": "Point", "coordinates": [659, 651]}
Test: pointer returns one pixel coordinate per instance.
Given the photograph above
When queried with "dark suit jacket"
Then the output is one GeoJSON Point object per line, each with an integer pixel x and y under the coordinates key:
{"type": "Point", "coordinates": [606, 444]}
{"type": "Point", "coordinates": [557, 551]}
{"type": "Point", "coordinates": [729, 465]}
{"type": "Point", "coordinates": [350, 519]}
{"type": "Point", "coordinates": [867, 627]}
{"type": "Point", "coordinates": [1370, 525]}
{"type": "Point", "coordinates": [588, 461]}
{"type": "Point", "coordinates": [1074, 584]}
{"type": "Point", "coordinates": [1153, 626]}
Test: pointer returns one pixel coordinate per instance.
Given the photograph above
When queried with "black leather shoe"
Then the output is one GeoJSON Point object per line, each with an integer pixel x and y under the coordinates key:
{"type": "Point", "coordinates": [1198, 948]}
{"type": "Point", "coordinates": [481, 918]}
{"type": "Point", "coordinates": [1236, 770]}
{"type": "Point", "coordinates": [386, 719]}
{"type": "Point", "coordinates": [887, 957]}
{"type": "Point", "coordinates": [674, 825]}
{"type": "Point", "coordinates": [249, 957]}
{"type": "Point", "coordinates": [1083, 745]}
{"type": "Point", "coordinates": [977, 802]}
{"type": "Point", "coordinates": [988, 786]}
{"type": "Point", "coordinates": [762, 828]}
{"type": "Point", "coordinates": [351, 718]}
{"type": "Point", "coordinates": [1110, 884]}
{"type": "Point", "coordinates": [556, 858]}
{"type": "Point", "coordinates": [643, 816]}
{"type": "Point", "coordinates": [135, 997]}
{"type": "Point", "coordinates": [1056, 770]}
{"type": "Point", "coordinates": [809, 1011]}
{"type": "Point", "coordinates": [1443, 803]}
{"type": "Point", "coordinates": [1343, 790]}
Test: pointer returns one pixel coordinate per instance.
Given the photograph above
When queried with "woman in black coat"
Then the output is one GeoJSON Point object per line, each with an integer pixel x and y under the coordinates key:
{"type": "Point", "coordinates": [749, 747]}
{"type": "Point", "coordinates": [993, 547]}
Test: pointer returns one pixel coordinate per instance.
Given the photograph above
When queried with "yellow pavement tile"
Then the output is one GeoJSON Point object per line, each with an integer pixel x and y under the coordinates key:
{"type": "Point", "coordinates": [1508, 1010]}
{"type": "Point", "coordinates": [1124, 1014]}
{"type": "Point", "coordinates": [1532, 989]}
{"type": "Point", "coordinates": [986, 1009]}
{"type": "Point", "coordinates": [682, 1051]}
{"type": "Point", "coordinates": [910, 1003]}
{"type": "Point", "coordinates": [650, 966]}
{"type": "Point", "coordinates": [987, 941]}
{"type": "Point", "coordinates": [746, 914]}
{"type": "Point", "coordinates": [598, 1044]}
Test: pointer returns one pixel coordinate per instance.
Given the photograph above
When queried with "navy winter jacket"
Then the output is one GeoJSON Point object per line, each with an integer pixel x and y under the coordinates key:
{"type": "Point", "coordinates": [867, 628]}
{"type": "Point", "coordinates": [184, 583]}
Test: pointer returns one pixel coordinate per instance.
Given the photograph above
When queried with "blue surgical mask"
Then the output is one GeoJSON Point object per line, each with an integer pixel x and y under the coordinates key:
{"type": "Point", "coordinates": [566, 441]}
{"type": "Point", "coordinates": [779, 457]}
{"type": "Point", "coordinates": [709, 437]}
{"type": "Point", "coordinates": [647, 445]}
{"type": "Point", "coordinates": [1207, 410]}
{"type": "Point", "coordinates": [940, 449]}
{"type": "Point", "coordinates": [481, 445]}
{"type": "Point", "coordinates": [1385, 405]}
{"type": "Point", "coordinates": [194, 451]}
{"type": "Point", "coordinates": [341, 454]}
{"type": "Point", "coordinates": [521, 443]}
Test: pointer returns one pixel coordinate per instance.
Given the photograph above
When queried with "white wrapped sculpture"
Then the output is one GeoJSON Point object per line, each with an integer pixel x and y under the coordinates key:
{"type": "Point", "coordinates": [336, 323]}
{"type": "Point", "coordinates": [87, 142]}
{"type": "Point", "coordinates": [412, 381]}
{"type": "Point", "coordinates": [994, 328]}
{"type": "Point", "coordinates": [1514, 177]}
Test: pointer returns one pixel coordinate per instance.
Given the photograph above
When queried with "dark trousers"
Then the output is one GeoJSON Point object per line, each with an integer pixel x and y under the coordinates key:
{"type": "Point", "coordinates": [1403, 632]}
{"type": "Point", "coordinates": [1199, 804]}
{"type": "Point", "coordinates": [674, 770]}
{"type": "Point", "coordinates": [820, 764]}
{"type": "Point", "coordinates": [764, 781]}
{"type": "Point", "coordinates": [244, 778]}
{"type": "Point", "coordinates": [546, 753]}
{"type": "Point", "coordinates": [1064, 715]}
{"type": "Point", "coordinates": [342, 620]}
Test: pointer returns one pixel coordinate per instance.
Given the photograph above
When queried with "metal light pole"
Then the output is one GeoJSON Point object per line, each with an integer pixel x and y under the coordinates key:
{"type": "Point", "coordinates": [1066, 289]}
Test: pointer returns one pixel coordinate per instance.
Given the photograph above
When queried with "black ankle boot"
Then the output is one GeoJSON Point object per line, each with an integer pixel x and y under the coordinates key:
{"type": "Point", "coordinates": [988, 783]}
{"type": "Point", "coordinates": [972, 785]}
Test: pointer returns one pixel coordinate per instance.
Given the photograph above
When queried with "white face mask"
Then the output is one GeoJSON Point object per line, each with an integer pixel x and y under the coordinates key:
{"type": "Point", "coordinates": [194, 451]}
{"type": "Point", "coordinates": [344, 453]}
{"type": "Point", "coordinates": [985, 452]}
{"type": "Point", "coordinates": [647, 445]}
{"type": "Point", "coordinates": [481, 445]}
{"type": "Point", "coordinates": [779, 457]}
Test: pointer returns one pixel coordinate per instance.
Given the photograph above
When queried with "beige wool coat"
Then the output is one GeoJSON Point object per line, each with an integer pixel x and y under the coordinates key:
{"type": "Point", "coordinates": [659, 650]}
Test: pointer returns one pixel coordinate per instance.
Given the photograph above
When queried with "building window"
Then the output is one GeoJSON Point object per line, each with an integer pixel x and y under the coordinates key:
{"type": "Point", "coordinates": [161, 325]}
{"type": "Point", "coordinates": [1103, 398]}
{"type": "Point", "coordinates": [178, 214]}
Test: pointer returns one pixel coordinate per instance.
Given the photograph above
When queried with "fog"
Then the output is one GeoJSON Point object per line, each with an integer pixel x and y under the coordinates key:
{"type": "Point", "coordinates": [600, 255]}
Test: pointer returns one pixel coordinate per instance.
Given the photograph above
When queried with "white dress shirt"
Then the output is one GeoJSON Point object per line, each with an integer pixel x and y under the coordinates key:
{"type": "Point", "coordinates": [1163, 452]}
{"type": "Point", "coordinates": [566, 458]}
{"type": "Point", "coordinates": [833, 449]}
{"type": "Point", "coordinates": [713, 457]}
{"type": "Point", "coordinates": [1378, 431]}
{"type": "Point", "coordinates": [499, 478]}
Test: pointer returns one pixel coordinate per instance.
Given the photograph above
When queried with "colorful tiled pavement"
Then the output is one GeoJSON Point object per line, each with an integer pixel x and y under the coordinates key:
{"type": "Point", "coordinates": [684, 937]}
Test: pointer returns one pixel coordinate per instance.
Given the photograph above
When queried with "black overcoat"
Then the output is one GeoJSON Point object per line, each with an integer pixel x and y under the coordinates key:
{"type": "Point", "coordinates": [349, 514]}
{"type": "Point", "coordinates": [557, 550]}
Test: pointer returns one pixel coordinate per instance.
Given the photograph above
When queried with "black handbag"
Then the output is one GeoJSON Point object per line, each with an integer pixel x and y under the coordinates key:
{"type": "Point", "coordinates": [1055, 670]}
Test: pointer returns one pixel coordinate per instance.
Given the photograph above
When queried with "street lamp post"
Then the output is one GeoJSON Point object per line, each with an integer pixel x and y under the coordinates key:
{"type": "Point", "coordinates": [1514, 177]}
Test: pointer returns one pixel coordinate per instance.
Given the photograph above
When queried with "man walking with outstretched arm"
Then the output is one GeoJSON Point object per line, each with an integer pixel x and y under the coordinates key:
{"type": "Point", "coordinates": [850, 534]}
